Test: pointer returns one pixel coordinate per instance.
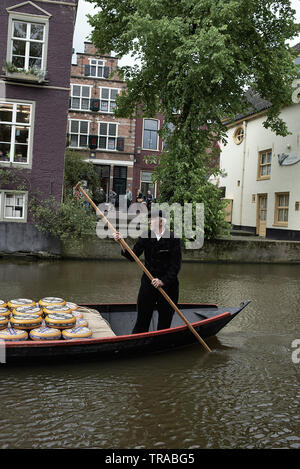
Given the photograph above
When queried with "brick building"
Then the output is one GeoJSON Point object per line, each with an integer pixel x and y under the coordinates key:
{"type": "Point", "coordinates": [106, 141]}
{"type": "Point", "coordinates": [35, 55]}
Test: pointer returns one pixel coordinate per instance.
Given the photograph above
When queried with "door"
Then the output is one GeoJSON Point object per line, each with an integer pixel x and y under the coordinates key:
{"type": "Point", "coordinates": [261, 227]}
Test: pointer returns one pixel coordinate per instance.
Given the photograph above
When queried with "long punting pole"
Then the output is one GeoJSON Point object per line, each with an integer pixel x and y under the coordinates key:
{"type": "Point", "coordinates": [139, 262]}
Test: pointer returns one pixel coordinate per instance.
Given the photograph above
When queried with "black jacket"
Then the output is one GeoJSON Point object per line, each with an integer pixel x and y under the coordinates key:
{"type": "Point", "coordinates": [162, 258]}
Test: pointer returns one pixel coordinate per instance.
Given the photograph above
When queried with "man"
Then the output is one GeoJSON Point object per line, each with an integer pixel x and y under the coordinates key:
{"type": "Point", "coordinates": [162, 253]}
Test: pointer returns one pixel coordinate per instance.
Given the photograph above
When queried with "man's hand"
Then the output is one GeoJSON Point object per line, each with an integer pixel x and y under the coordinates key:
{"type": "Point", "coordinates": [157, 283]}
{"type": "Point", "coordinates": [117, 236]}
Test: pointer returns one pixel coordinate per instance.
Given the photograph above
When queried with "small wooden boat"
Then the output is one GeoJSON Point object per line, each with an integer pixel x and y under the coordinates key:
{"type": "Point", "coordinates": [207, 319]}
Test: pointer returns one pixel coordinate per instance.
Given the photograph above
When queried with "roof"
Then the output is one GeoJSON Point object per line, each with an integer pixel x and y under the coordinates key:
{"type": "Point", "coordinates": [256, 102]}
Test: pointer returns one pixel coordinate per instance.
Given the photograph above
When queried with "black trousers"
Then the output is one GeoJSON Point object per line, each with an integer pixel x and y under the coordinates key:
{"type": "Point", "coordinates": [149, 299]}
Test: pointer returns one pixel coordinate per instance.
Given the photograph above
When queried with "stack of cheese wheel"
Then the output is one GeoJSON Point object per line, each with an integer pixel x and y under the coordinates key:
{"type": "Point", "coordinates": [26, 321]}
{"type": "Point", "coordinates": [3, 322]}
{"type": "Point", "coordinates": [27, 310]}
{"type": "Point", "coordinates": [45, 333]}
{"type": "Point", "coordinates": [12, 304]}
{"type": "Point", "coordinates": [11, 334]}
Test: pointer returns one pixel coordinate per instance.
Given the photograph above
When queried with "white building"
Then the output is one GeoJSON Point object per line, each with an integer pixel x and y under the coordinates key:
{"type": "Point", "coordinates": [262, 181]}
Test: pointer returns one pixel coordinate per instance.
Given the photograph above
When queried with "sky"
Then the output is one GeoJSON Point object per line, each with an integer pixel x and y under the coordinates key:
{"type": "Point", "coordinates": [83, 29]}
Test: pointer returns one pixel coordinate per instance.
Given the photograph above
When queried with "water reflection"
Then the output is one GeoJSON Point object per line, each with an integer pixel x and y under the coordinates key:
{"type": "Point", "coordinates": [243, 395]}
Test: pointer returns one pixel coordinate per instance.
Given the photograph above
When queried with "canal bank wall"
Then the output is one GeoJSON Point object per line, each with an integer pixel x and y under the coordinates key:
{"type": "Point", "coordinates": [223, 250]}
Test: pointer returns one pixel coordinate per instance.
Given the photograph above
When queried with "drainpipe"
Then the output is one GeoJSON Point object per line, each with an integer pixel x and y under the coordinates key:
{"type": "Point", "coordinates": [243, 170]}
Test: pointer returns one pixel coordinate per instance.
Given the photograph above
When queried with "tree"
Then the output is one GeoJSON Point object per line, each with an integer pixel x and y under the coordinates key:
{"type": "Point", "coordinates": [198, 57]}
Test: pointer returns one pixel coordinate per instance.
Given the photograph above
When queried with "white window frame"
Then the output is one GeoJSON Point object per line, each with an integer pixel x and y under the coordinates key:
{"type": "Point", "coordinates": [92, 59]}
{"type": "Point", "coordinates": [109, 100]}
{"type": "Point", "coordinates": [14, 124]}
{"type": "Point", "coordinates": [28, 18]}
{"type": "Point", "coordinates": [4, 218]}
{"type": "Point", "coordinates": [157, 142]}
{"type": "Point", "coordinates": [80, 97]}
{"type": "Point", "coordinates": [107, 135]}
{"type": "Point", "coordinates": [78, 134]}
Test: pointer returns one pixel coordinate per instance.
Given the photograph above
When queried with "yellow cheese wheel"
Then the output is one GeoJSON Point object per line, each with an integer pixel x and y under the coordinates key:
{"type": "Point", "coordinates": [11, 334]}
{"type": "Point", "coordinates": [27, 310]}
{"type": "Point", "coordinates": [5, 312]}
{"type": "Point", "coordinates": [77, 333]}
{"type": "Point", "coordinates": [60, 321]}
{"type": "Point", "coordinates": [45, 333]}
{"type": "Point", "coordinates": [51, 300]}
{"type": "Point", "coordinates": [77, 314]}
{"type": "Point", "coordinates": [81, 322]}
{"type": "Point", "coordinates": [20, 302]}
{"type": "Point", "coordinates": [72, 306]}
{"type": "Point", "coordinates": [3, 322]}
{"type": "Point", "coordinates": [57, 309]}
{"type": "Point", "coordinates": [3, 304]}
{"type": "Point", "coordinates": [24, 321]}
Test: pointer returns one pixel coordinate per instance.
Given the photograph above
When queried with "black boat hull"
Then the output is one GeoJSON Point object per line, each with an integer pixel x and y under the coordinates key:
{"type": "Point", "coordinates": [209, 321]}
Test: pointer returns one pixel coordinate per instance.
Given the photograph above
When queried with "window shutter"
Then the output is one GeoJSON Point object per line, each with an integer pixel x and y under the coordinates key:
{"type": "Point", "coordinates": [95, 105]}
{"type": "Point", "coordinates": [93, 142]}
{"type": "Point", "coordinates": [86, 70]}
{"type": "Point", "coordinates": [106, 72]}
{"type": "Point", "coordinates": [120, 143]}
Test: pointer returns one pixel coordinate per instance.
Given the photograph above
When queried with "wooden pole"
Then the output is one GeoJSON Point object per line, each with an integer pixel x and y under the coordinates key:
{"type": "Point", "coordinates": [142, 266]}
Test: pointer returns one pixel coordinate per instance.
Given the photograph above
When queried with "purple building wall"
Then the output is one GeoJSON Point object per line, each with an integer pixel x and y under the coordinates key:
{"type": "Point", "coordinates": [50, 98]}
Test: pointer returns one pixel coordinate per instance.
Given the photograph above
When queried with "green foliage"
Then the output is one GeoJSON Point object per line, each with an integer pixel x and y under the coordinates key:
{"type": "Point", "coordinates": [198, 57]}
{"type": "Point", "coordinates": [68, 221]}
{"type": "Point", "coordinates": [76, 169]}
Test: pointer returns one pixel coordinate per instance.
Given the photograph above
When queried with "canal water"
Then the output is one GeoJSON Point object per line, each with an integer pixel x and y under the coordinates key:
{"type": "Point", "coordinates": [245, 394]}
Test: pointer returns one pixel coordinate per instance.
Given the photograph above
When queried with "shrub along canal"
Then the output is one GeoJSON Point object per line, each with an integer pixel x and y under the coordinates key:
{"type": "Point", "coordinates": [243, 395]}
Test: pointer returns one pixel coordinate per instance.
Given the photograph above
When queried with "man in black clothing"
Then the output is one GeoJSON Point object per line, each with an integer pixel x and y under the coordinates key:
{"type": "Point", "coordinates": [162, 253]}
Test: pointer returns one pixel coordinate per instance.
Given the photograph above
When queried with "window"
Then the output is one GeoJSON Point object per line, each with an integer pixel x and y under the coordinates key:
{"type": "Point", "coordinates": [107, 99]}
{"type": "Point", "coordinates": [108, 133]}
{"type": "Point", "coordinates": [150, 136]}
{"type": "Point", "coordinates": [146, 183]}
{"type": "Point", "coordinates": [96, 68]}
{"type": "Point", "coordinates": [27, 48]}
{"type": "Point", "coordinates": [80, 97]}
{"type": "Point", "coordinates": [282, 209]}
{"type": "Point", "coordinates": [79, 131]}
{"type": "Point", "coordinates": [13, 206]}
{"type": "Point", "coordinates": [264, 164]}
{"type": "Point", "coordinates": [238, 135]}
{"type": "Point", "coordinates": [15, 132]}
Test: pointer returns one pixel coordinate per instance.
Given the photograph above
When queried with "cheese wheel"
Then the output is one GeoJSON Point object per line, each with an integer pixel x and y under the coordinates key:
{"type": "Point", "coordinates": [81, 322]}
{"type": "Point", "coordinates": [24, 321]}
{"type": "Point", "coordinates": [77, 314]}
{"type": "Point", "coordinates": [77, 333]}
{"type": "Point", "coordinates": [45, 333]}
{"type": "Point", "coordinates": [3, 322]}
{"type": "Point", "coordinates": [20, 302]}
{"type": "Point", "coordinates": [27, 310]}
{"type": "Point", "coordinates": [3, 304]}
{"type": "Point", "coordinates": [13, 334]}
{"type": "Point", "coordinates": [57, 309]}
{"type": "Point", "coordinates": [60, 321]}
{"type": "Point", "coordinates": [5, 312]}
{"type": "Point", "coordinates": [51, 300]}
{"type": "Point", "coordinates": [72, 306]}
